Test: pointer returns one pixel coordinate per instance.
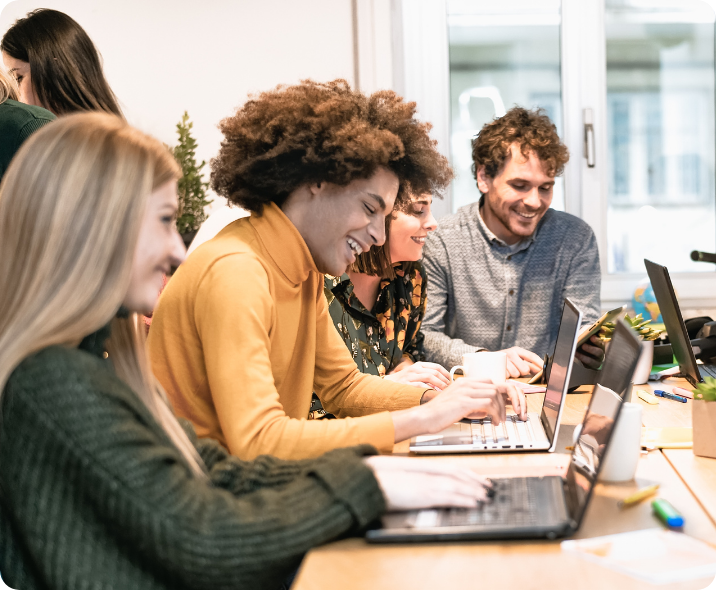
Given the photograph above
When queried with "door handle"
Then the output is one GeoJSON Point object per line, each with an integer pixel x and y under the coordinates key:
{"type": "Point", "coordinates": [588, 116]}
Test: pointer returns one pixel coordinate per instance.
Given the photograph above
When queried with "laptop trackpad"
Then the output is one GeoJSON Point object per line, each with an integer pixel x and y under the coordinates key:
{"type": "Point", "coordinates": [457, 434]}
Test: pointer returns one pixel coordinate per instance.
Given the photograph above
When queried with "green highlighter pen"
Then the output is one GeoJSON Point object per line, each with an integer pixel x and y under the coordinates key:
{"type": "Point", "coordinates": [667, 513]}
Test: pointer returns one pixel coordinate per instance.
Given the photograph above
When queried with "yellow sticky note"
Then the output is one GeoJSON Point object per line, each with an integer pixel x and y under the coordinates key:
{"type": "Point", "coordinates": [649, 398]}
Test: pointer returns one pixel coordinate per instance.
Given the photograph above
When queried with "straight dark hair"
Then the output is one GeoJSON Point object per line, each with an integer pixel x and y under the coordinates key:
{"type": "Point", "coordinates": [65, 66]}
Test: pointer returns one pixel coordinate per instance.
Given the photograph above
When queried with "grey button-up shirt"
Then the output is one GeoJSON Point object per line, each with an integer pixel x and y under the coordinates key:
{"type": "Point", "coordinates": [483, 293]}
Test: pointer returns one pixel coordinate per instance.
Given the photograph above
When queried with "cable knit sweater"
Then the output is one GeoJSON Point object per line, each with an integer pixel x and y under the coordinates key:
{"type": "Point", "coordinates": [94, 495]}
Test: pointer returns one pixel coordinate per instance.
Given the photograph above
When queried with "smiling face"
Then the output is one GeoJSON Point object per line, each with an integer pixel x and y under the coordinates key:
{"type": "Point", "coordinates": [339, 222]}
{"type": "Point", "coordinates": [409, 229]}
{"type": "Point", "coordinates": [20, 71]}
{"type": "Point", "coordinates": [517, 198]}
{"type": "Point", "coordinates": [159, 247]}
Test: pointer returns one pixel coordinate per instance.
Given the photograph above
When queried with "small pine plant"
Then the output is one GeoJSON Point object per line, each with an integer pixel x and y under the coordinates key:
{"type": "Point", "coordinates": [192, 188]}
{"type": "Point", "coordinates": [706, 391]}
{"type": "Point", "coordinates": [638, 324]}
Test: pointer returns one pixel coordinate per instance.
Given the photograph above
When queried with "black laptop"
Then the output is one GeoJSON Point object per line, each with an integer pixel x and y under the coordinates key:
{"type": "Point", "coordinates": [528, 507]}
{"type": "Point", "coordinates": [675, 327]}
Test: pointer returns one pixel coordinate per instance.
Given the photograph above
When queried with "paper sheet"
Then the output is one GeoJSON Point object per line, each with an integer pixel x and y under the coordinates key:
{"type": "Point", "coordinates": [671, 437]}
{"type": "Point", "coordinates": [526, 387]}
{"type": "Point", "coordinates": [656, 556]}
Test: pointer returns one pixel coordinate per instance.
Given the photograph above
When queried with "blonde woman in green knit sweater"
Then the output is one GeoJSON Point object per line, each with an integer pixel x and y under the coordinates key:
{"type": "Point", "coordinates": [100, 485]}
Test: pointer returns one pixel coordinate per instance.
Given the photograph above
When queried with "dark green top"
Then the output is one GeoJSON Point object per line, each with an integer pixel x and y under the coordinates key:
{"type": "Point", "coordinates": [17, 122]}
{"type": "Point", "coordinates": [379, 338]}
{"type": "Point", "coordinates": [94, 495]}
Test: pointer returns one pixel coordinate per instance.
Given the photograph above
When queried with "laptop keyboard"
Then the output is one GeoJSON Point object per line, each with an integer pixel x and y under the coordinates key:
{"type": "Point", "coordinates": [514, 503]}
{"type": "Point", "coordinates": [708, 370]}
{"type": "Point", "coordinates": [513, 432]}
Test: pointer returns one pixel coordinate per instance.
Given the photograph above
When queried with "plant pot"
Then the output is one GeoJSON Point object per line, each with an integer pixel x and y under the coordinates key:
{"type": "Point", "coordinates": [644, 364]}
{"type": "Point", "coordinates": [704, 423]}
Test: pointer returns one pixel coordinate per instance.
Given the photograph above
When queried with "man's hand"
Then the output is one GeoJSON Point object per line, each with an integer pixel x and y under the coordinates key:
{"type": "Point", "coordinates": [521, 362]}
{"type": "Point", "coordinates": [591, 353]}
{"type": "Point", "coordinates": [421, 375]}
{"type": "Point", "coordinates": [465, 398]}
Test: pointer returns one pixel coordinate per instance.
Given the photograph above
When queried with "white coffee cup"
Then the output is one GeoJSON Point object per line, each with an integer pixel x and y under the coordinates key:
{"type": "Point", "coordinates": [485, 366]}
{"type": "Point", "coordinates": [620, 461]}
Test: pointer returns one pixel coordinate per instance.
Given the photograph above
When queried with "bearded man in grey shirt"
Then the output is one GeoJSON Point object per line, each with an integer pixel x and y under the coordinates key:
{"type": "Point", "coordinates": [498, 270]}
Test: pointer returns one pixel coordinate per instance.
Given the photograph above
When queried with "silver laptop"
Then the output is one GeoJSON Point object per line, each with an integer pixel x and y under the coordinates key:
{"type": "Point", "coordinates": [538, 432]}
{"type": "Point", "coordinates": [528, 507]}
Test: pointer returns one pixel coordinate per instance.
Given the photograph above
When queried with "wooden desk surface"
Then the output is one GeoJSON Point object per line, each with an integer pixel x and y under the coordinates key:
{"type": "Point", "coordinates": [536, 564]}
{"type": "Point", "coordinates": [699, 475]}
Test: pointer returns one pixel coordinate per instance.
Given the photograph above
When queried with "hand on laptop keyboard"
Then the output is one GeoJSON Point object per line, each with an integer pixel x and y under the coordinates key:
{"type": "Point", "coordinates": [410, 484]}
{"type": "Point", "coordinates": [466, 398]}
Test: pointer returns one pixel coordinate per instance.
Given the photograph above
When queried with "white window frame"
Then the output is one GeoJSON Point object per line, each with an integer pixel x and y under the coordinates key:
{"type": "Point", "coordinates": [421, 73]}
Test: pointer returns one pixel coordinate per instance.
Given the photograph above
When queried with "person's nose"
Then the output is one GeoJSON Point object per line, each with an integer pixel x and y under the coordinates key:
{"type": "Point", "coordinates": [178, 250]}
{"type": "Point", "coordinates": [431, 223]}
{"type": "Point", "coordinates": [532, 199]}
{"type": "Point", "coordinates": [376, 231]}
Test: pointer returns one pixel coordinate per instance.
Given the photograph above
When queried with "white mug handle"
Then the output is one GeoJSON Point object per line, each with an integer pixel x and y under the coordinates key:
{"type": "Point", "coordinates": [452, 371]}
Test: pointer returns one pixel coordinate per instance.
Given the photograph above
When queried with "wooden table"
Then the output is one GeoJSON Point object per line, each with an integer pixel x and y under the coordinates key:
{"type": "Point", "coordinates": [688, 482]}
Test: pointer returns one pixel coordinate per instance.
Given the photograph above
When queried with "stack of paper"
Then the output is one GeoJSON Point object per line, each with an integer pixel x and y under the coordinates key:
{"type": "Point", "coordinates": [655, 556]}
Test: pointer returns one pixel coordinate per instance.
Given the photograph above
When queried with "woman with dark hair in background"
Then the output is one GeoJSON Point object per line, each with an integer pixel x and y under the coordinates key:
{"type": "Point", "coordinates": [56, 65]}
{"type": "Point", "coordinates": [378, 304]}
{"type": "Point", "coordinates": [17, 121]}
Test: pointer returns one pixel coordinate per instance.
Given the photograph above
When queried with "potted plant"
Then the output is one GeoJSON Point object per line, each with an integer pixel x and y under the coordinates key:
{"type": "Point", "coordinates": [704, 418]}
{"type": "Point", "coordinates": [647, 335]}
{"type": "Point", "coordinates": [192, 188]}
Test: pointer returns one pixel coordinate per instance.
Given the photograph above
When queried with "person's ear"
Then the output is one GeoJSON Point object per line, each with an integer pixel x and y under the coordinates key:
{"type": "Point", "coordinates": [316, 188]}
{"type": "Point", "coordinates": [484, 182]}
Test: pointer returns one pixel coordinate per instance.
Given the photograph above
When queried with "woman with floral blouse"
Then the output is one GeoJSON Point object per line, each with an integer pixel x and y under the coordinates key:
{"type": "Point", "coordinates": [378, 305]}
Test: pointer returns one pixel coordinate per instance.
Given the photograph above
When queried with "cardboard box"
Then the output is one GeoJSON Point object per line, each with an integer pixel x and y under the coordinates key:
{"type": "Point", "coordinates": [704, 422]}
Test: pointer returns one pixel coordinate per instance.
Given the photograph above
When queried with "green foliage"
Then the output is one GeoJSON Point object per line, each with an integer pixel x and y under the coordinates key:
{"type": "Point", "coordinates": [706, 390]}
{"type": "Point", "coordinates": [192, 188]}
{"type": "Point", "coordinates": [638, 324]}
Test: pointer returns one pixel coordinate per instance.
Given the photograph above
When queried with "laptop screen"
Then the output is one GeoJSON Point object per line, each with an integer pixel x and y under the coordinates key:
{"type": "Point", "coordinates": [674, 323]}
{"type": "Point", "coordinates": [616, 373]}
{"type": "Point", "coordinates": [598, 424]}
{"type": "Point", "coordinates": [561, 367]}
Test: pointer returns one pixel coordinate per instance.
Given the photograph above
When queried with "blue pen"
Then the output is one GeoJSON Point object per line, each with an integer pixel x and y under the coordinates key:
{"type": "Point", "coordinates": [671, 396]}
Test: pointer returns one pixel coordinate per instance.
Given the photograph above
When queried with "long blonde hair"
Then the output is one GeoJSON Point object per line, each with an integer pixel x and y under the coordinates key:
{"type": "Point", "coordinates": [8, 87]}
{"type": "Point", "coordinates": [71, 205]}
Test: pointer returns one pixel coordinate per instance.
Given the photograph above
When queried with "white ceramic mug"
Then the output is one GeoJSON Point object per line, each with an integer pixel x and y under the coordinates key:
{"type": "Point", "coordinates": [620, 461]}
{"type": "Point", "coordinates": [486, 366]}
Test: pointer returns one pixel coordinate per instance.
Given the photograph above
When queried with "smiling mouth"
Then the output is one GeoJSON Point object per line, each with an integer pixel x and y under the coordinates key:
{"type": "Point", "coordinates": [418, 239]}
{"type": "Point", "coordinates": [527, 215]}
{"type": "Point", "coordinates": [354, 246]}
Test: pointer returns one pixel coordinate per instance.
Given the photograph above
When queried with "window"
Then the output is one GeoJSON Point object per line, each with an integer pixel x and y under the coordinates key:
{"type": "Point", "coordinates": [642, 71]}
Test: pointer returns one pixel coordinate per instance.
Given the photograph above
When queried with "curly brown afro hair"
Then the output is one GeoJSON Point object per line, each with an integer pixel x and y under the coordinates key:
{"type": "Point", "coordinates": [323, 132]}
{"type": "Point", "coordinates": [531, 130]}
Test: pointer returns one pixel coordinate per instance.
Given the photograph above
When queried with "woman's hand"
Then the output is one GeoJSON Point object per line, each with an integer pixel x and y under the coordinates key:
{"type": "Point", "coordinates": [410, 484]}
{"type": "Point", "coordinates": [421, 375]}
{"type": "Point", "coordinates": [466, 398]}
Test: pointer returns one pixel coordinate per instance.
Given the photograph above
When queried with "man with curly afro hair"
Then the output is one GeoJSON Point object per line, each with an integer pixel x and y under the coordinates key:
{"type": "Point", "coordinates": [242, 336]}
{"type": "Point", "coordinates": [501, 268]}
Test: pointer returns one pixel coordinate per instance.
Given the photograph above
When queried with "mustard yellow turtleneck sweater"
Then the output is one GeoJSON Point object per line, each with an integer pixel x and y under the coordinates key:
{"type": "Point", "coordinates": [242, 337]}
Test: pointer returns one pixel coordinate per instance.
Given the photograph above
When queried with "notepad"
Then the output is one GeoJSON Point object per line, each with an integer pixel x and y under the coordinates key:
{"type": "Point", "coordinates": [655, 556]}
{"type": "Point", "coordinates": [667, 438]}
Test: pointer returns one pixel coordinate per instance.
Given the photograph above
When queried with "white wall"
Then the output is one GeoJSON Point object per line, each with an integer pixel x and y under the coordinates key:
{"type": "Point", "coordinates": [162, 57]}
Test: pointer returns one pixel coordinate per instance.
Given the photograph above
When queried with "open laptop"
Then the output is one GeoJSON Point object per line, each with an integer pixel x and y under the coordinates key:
{"type": "Point", "coordinates": [675, 327]}
{"type": "Point", "coordinates": [538, 432]}
{"type": "Point", "coordinates": [528, 507]}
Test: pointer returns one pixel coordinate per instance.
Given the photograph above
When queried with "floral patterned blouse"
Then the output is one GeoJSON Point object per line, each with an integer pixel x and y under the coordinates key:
{"type": "Point", "coordinates": [379, 339]}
